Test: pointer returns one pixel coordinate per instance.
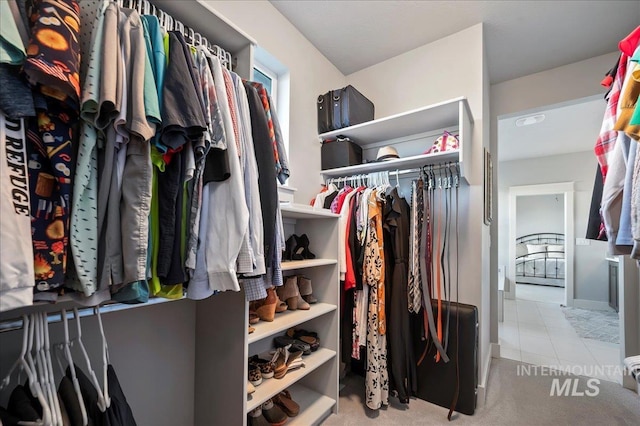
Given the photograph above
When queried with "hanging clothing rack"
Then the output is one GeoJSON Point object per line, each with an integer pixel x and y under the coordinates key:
{"type": "Point", "coordinates": [145, 7]}
{"type": "Point", "coordinates": [12, 324]}
{"type": "Point", "coordinates": [452, 167]}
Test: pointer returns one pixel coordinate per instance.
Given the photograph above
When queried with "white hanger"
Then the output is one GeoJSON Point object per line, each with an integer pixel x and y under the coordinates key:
{"type": "Point", "coordinates": [21, 362]}
{"type": "Point", "coordinates": [49, 366]}
{"type": "Point", "coordinates": [42, 372]}
{"type": "Point", "coordinates": [92, 375]}
{"type": "Point", "coordinates": [72, 368]}
{"type": "Point", "coordinates": [105, 358]}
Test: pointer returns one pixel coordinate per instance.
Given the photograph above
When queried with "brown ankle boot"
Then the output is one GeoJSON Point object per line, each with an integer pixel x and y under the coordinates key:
{"type": "Point", "coordinates": [289, 292]}
{"type": "Point", "coordinates": [267, 311]}
{"type": "Point", "coordinates": [304, 285]}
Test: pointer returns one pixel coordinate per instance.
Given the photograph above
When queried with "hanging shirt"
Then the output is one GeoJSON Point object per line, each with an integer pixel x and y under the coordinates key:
{"type": "Point", "coordinates": [16, 250]}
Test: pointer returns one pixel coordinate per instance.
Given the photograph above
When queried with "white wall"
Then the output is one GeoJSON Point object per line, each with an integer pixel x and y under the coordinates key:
{"type": "Point", "coordinates": [414, 79]}
{"type": "Point", "coordinates": [311, 75]}
{"type": "Point", "coordinates": [590, 265]}
{"type": "Point", "coordinates": [539, 213]}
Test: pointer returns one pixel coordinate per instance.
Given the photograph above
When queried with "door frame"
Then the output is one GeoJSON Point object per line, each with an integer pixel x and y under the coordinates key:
{"type": "Point", "coordinates": [566, 188]}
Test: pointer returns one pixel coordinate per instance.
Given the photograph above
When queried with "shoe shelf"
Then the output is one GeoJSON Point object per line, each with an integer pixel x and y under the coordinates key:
{"type": "Point", "coordinates": [307, 263]}
{"type": "Point", "coordinates": [287, 319]}
{"type": "Point", "coordinates": [270, 387]}
{"type": "Point", "coordinates": [301, 211]}
{"type": "Point", "coordinates": [314, 407]}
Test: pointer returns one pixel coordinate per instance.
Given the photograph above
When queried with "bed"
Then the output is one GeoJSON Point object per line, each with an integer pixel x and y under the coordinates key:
{"type": "Point", "coordinates": [540, 259]}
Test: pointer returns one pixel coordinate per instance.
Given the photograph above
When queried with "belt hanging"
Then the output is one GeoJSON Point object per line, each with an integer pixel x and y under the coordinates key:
{"type": "Point", "coordinates": [457, 354]}
{"type": "Point", "coordinates": [429, 310]}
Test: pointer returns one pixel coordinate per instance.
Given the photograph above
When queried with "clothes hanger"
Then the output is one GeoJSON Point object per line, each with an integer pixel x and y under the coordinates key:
{"type": "Point", "coordinates": [105, 358]}
{"type": "Point", "coordinates": [72, 367]}
{"type": "Point", "coordinates": [49, 368]}
{"type": "Point", "coordinates": [92, 375]}
{"type": "Point", "coordinates": [36, 387]}
{"type": "Point", "coordinates": [40, 362]}
{"type": "Point", "coordinates": [21, 362]}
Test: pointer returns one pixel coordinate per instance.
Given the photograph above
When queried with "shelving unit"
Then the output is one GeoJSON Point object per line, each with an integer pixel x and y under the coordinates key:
{"type": "Point", "coordinates": [315, 386]}
{"type": "Point", "coordinates": [411, 133]}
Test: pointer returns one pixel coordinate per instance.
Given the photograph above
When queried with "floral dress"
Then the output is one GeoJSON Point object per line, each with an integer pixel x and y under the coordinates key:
{"type": "Point", "coordinates": [377, 378]}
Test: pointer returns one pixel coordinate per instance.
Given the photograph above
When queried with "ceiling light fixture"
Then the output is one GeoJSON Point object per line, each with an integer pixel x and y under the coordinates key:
{"type": "Point", "coordinates": [532, 119]}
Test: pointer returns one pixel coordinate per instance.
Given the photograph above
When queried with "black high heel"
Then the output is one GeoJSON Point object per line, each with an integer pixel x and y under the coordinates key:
{"type": "Point", "coordinates": [298, 251]}
{"type": "Point", "coordinates": [290, 244]}
{"type": "Point", "coordinates": [303, 241]}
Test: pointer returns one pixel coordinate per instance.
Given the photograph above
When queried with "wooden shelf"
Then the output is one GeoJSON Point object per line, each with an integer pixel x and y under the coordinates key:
{"type": "Point", "coordinates": [399, 164]}
{"type": "Point", "coordinates": [308, 263]}
{"type": "Point", "coordinates": [437, 116]}
{"type": "Point", "coordinates": [314, 407]}
{"type": "Point", "coordinates": [286, 320]}
{"type": "Point", "coordinates": [270, 387]}
{"type": "Point", "coordinates": [301, 211]}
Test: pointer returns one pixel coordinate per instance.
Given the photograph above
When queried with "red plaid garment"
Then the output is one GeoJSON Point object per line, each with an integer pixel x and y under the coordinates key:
{"type": "Point", "coordinates": [607, 138]}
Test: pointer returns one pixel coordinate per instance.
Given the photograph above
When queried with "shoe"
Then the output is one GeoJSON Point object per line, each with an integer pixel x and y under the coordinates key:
{"type": "Point", "coordinates": [250, 388]}
{"type": "Point", "coordinates": [267, 311]}
{"type": "Point", "coordinates": [255, 418]}
{"type": "Point", "coordinates": [289, 292]}
{"type": "Point", "coordinates": [280, 305]}
{"type": "Point", "coordinates": [282, 359]}
{"type": "Point", "coordinates": [295, 344]}
{"type": "Point", "coordinates": [289, 246]}
{"type": "Point", "coordinates": [303, 242]}
{"type": "Point", "coordinates": [304, 287]}
{"type": "Point", "coordinates": [253, 317]}
{"type": "Point", "coordinates": [251, 329]}
{"type": "Point", "coordinates": [309, 337]}
{"type": "Point", "coordinates": [255, 376]}
{"type": "Point", "coordinates": [274, 414]}
{"type": "Point", "coordinates": [266, 367]}
{"type": "Point", "coordinates": [286, 403]}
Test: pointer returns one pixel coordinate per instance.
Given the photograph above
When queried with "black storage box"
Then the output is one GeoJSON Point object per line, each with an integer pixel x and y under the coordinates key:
{"type": "Point", "coordinates": [340, 153]}
{"type": "Point", "coordinates": [342, 108]}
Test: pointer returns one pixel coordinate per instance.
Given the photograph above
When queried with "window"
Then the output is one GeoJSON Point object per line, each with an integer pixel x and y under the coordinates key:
{"type": "Point", "coordinates": [275, 77]}
{"type": "Point", "coordinates": [267, 79]}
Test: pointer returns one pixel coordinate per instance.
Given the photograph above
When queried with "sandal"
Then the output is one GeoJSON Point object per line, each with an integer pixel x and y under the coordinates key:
{"type": "Point", "coordinates": [282, 359]}
{"type": "Point", "coordinates": [255, 376]}
{"type": "Point", "coordinates": [286, 403]}
{"type": "Point", "coordinates": [299, 345]}
{"type": "Point", "coordinates": [309, 337]}
{"type": "Point", "coordinates": [253, 317]}
{"type": "Point", "coordinates": [266, 367]}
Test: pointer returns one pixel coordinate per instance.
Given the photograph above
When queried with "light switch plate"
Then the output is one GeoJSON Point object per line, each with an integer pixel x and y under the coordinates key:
{"type": "Point", "coordinates": [582, 242]}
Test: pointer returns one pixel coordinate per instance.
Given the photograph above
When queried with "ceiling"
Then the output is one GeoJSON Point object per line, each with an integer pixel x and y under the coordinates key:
{"type": "Point", "coordinates": [522, 37]}
{"type": "Point", "coordinates": [565, 129]}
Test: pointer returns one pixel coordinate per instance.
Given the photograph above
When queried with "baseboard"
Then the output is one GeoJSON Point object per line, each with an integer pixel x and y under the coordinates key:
{"type": "Point", "coordinates": [495, 350]}
{"type": "Point", "coordinates": [484, 380]}
{"type": "Point", "coordinates": [597, 305]}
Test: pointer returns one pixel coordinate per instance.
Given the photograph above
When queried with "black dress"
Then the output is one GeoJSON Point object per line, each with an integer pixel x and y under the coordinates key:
{"type": "Point", "coordinates": [401, 360]}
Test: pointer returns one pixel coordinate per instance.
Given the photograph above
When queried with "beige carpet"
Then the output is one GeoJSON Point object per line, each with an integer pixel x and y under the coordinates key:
{"type": "Point", "coordinates": [511, 400]}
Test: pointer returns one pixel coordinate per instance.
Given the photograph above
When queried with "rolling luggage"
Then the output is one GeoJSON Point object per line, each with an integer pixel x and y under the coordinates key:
{"type": "Point", "coordinates": [347, 107]}
{"type": "Point", "coordinates": [442, 383]}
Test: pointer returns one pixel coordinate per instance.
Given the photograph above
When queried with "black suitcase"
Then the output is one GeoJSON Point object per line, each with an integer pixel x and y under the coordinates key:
{"type": "Point", "coordinates": [437, 382]}
{"type": "Point", "coordinates": [325, 111]}
{"type": "Point", "coordinates": [342, 108]}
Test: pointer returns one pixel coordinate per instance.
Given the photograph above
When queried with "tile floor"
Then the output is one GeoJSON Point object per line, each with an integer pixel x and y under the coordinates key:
{"type": "Point", "coordinates": [537, 332]}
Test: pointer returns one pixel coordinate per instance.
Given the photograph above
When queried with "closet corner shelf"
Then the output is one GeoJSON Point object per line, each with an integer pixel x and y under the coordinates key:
{"type": "Point", "coordinates": [288, 319]}
{"type": "Point", "coordinates": [399, 164]}
{"type": "Point", "coordinates": [301, 211]}
{"type": "Point", "coordinates": [270, 387]}
{"type": "Point", "coordinates": [314, 407]}
{"type": "Point", "coordinates": [432, 117]}
{"type": "Point", "coordinates": [309, 263]}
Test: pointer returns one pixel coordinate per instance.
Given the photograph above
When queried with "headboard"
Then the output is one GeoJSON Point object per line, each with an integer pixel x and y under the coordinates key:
{"type": "Point", "coordinates": [541, 238]}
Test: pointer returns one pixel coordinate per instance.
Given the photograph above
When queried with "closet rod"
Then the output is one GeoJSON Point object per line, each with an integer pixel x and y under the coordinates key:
{"type": "Point", "coordinates": [12, 324]}
{"type": "Point", "coordinates": [434, 167]}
